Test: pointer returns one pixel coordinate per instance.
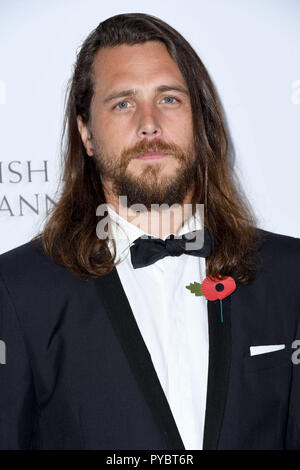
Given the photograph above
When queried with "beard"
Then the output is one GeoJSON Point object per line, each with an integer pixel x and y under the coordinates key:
{"type": "Point", "coordinates": [149, 186]}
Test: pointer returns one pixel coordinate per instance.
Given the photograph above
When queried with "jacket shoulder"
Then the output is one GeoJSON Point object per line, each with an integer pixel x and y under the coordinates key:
{"type": "Point", "coordinates": [280, 253]}
{"type": "Point", "coordinates": [37, 288]}
{"type": "Point", "coordinates": [28, 251]}
{"type": "Point", "coordinates": [29, 266]}
{"type": "Point", "coordinates": [274, 240]}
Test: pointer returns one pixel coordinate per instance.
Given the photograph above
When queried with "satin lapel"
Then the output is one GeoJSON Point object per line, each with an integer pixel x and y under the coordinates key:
{"type": "Point", "coordinates": [218, 370]}
{"type": "Point", "coordinates": [111, 292]}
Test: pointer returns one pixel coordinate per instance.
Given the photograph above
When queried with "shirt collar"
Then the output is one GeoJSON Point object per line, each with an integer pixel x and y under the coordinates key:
{"type": "Point", "coordinates": [125, 233]}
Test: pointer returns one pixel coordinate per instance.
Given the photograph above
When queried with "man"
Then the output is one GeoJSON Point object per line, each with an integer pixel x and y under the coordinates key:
{"type": "Point", "coordinates": [106, 347]}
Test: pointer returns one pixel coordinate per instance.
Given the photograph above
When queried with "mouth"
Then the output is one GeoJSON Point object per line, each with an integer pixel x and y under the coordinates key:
{"type": "Point", "coordinates": [152, 156]}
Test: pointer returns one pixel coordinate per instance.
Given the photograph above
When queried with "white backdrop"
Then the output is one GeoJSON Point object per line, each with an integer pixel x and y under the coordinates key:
{"type": "Point", "coordinates": [251, 49]}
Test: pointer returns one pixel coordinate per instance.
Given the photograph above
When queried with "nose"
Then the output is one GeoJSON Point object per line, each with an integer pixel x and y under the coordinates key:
{"type": "Point", "coordinates": [148, 125]}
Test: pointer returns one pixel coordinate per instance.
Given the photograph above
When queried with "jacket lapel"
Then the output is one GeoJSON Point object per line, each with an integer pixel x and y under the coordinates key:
{"type": "Point", "coordinates": [111, 292]}
{"type": "Point", "coordinates": [218, 370]}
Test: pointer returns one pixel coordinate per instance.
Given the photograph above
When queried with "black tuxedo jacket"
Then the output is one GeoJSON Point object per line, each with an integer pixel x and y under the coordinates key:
{"type": "Point", "coordinates": [78, 375]}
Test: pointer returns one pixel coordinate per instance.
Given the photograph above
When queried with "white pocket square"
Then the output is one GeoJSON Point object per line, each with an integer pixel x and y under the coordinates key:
{"type": "Point", "coordinates": [254, 350]}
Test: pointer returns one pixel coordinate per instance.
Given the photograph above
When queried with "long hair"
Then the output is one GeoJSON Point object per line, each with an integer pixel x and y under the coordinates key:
{"type": "Point", "coordinates": [69, 235]}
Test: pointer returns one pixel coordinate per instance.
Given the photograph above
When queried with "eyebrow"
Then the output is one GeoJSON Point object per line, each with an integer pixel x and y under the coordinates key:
{"type": "Point", "coordinates": [132, 92]}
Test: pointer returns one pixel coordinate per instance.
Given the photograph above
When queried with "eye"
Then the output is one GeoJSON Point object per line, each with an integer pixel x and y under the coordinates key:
{"type": "Point", "coordinates": [172, 98]}
{"type": "Point", "coordinates": [119, 105]}
{"type": "Point", "coordinates": [122, 107]}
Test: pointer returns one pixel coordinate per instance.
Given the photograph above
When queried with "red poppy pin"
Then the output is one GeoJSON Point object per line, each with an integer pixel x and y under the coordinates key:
{"type": "Point", "coordinates": [214, 289]}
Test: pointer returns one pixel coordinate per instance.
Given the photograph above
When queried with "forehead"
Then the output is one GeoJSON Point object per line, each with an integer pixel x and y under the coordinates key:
{"type": "Point", "coordinates": [139, 63]}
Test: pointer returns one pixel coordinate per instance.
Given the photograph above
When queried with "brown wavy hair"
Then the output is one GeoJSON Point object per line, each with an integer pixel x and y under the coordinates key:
{"type": "Point", "coordinates": [69, 234]}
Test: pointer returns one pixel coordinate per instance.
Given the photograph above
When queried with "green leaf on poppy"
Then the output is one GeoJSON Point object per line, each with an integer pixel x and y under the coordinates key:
{"type": "Point", "coordinates": [195, 288]}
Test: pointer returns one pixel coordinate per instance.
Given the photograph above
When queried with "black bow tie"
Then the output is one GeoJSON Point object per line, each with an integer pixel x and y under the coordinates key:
{"type": "Point", "coordinates": [146, 251]}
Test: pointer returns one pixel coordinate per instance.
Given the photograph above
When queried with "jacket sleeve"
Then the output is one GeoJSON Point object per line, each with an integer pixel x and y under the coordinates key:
{"type": "Point", "coordinates": [17, 395]}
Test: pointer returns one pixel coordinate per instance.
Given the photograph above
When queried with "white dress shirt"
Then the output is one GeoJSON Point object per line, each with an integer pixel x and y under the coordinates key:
{"type": "Point", "coordinates": [172, 321]}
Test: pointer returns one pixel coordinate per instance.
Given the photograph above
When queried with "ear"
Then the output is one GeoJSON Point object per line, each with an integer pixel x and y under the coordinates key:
{"type": "Point", "coordinates": [85, 136]}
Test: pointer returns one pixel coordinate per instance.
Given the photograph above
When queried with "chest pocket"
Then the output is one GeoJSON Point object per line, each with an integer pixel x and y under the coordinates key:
{"type": "Point", "coordinates": [267, 360]}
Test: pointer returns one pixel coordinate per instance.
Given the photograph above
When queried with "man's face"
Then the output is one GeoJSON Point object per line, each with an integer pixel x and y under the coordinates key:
{"type": "Point", "coordinates": [152, 112]}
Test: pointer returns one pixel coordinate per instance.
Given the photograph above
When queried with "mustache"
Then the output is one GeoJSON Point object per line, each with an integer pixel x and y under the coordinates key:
{"type": "Point", "coordinates": [146, 146]}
